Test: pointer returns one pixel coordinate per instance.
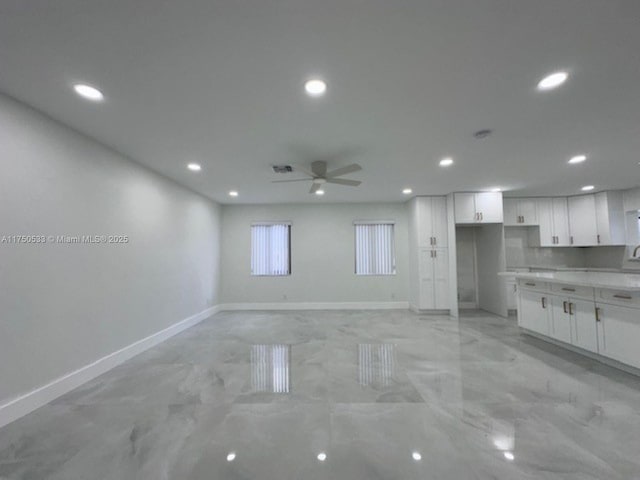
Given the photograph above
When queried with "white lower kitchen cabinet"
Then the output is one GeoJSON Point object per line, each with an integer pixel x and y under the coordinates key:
{"type": "Point", "coordinates": [583, 325]}
{"type": "Point", "coordinates": [560, 319]}
{"type": "Point", "coordinates": [534, 313]}
{"type": "Point", "coordinates": [619, 333]}
{"type": "Point", "coordinates": [599, 313]}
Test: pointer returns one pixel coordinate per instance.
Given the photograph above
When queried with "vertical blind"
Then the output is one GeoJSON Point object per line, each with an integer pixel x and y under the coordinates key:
{"type": "Point", "coordinates": [375, 249]}
{"type": "Point", "coordinates": [270, 249]}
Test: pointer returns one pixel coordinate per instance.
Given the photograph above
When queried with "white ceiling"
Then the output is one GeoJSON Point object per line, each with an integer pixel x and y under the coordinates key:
{"type": "Point", "coordinates": [219, 82]}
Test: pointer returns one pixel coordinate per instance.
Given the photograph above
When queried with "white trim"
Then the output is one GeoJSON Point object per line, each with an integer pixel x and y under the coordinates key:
{"type": "Point", "coordinates": [258, 224]}
{"type": "Point", "coordinates": [374, 222]}
{"type": "Point", "coordinates": [316, 306]}
{"type": "Point", "coordinates": [27, 403]}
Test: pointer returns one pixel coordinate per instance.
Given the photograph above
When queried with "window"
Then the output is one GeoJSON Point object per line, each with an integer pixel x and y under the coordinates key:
{"type": "Point", "coordinates": [270, 251]}
{"type": "Point", "coordinates": [375, 249]}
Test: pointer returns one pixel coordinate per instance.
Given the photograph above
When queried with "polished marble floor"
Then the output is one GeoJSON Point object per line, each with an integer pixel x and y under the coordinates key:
{"type": "Point", "coordinates": [339, 395]}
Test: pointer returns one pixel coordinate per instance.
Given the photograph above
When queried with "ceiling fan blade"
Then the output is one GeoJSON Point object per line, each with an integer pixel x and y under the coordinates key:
{"type": "Point", "coordinates": [315, 187]}
{"type": "Point", "coordinates": [343, 181]}
{"type": "Point", "coordinates": [296, 180]}
{"type": "Point", "coordinates": [354, 167]}
{"type": "Point", "coordinates": [319, 168]}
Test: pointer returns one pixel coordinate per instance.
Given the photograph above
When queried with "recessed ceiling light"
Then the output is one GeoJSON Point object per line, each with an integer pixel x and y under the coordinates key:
{"type": "Point", "coordinates": [445, 162]}
{"type": "Point", "coordinates": [231, 457]}
{"type": "Point", "coordinates": [553, 80]}
{"type": "Point", "coordinates": [578, 159]}
{"type": "Point", "coordinates": [416, 456]}
{"type": "Point", "coordinates": [88, 92]}
{"type": "Point", "coordinates": [407, 191]}
{"type": "Point", "coordinates": [322, 456]}
{"type": "Point", "coordinates": [587, 188]}
{"type": "Point", "coordinates": [194, 167]}
{"type": "Point", "coordinates": [315, 87]}
{"type": "Point", "coordinates": [509, 456]}
{"type": "Point", "coordinates": [233, 193]}
{"type": "Point", "coordinates": [496, 189]}
{"type": "Point", "coordinates": [319, 192]}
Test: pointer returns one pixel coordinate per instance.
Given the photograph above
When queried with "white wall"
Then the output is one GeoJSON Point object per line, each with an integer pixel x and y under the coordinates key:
{"type": "Point", "coordinates": [65, 306]}
{"type": "Point", "coordinates": [491, 260]}
{"type": "Point", "coordinates": [322, 255]}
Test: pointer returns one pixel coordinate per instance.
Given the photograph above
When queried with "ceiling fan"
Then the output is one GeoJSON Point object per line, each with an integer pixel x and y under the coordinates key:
{"type": "Point", "coordinates": [319, 175]}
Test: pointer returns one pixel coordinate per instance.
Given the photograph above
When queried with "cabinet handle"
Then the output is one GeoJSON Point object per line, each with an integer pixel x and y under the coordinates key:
{"type": "Point", "coordinates": [481, 216]}
{"type": "Point", "coordinates": [597, 314]}
{"type": "Point", "coordinates": [598, 236]}
{"type": "Point", "coordinates": [522, 218]}
{"type": "Point", "coordinates": [435, 254]}
{"type": "Point", "coordinates": [431, 252]}
{"type": "Point", "coordinates": [567, 289]}
{"type": "Point", "coordinates": [564, 306]}
{"type": "Point", "coordinates": [544, 302]}
{"type": "Point", "coordinates": [555, 239]}
{"type": "Point", "coordinates": [530, 284]}
{"type": "Point", "coordinates": [571, 239]}
{"type": "Point", "coordinates": [623, 297]}
{"type": "Point", "coordinates": [435, 241]}
{"type": "Point", "coordinates": [570, 308]}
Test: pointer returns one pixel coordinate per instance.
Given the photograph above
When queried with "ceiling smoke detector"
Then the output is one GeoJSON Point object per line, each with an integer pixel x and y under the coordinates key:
{"type": "Point", "coordinates": [282, 168]}
{"type": "Point", "coordinates": [480, 134]}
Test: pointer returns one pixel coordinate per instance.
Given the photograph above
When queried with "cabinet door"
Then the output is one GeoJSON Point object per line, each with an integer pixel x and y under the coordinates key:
{"type": "Point", "coordinates": [426, 301]}
{"type": "Point", "coordinates": [424, 221]}
{"type": "Point", "coordinates": [618, 333]}
{"type": "Point", "coordinates": [584, 331]}
{"type": "Point", "coordinates": [439, 221]}
{"type": "Point", "coordinates": [602, 219]}
{"type": "Point", "coordinates": [561, 222]}
{"type": "Point", "coordinates": [465, 207]}
{"type": "Point", "coordinates": [545, 218]}
{"type": "Point", "coordinates": [489, 205]}
{"type": "Point", "coordinates": [510, 210]}
{"type": "Point", "coordinates": [441, 278]}
{"type": "Point", "coordinates": [560, 318]}
{"type": "Point", "coordinates": [527, 211]}
{"type": "Point", "coordinates": [582, 221]}
{"type": "Point", "coordinates": [534, 312]}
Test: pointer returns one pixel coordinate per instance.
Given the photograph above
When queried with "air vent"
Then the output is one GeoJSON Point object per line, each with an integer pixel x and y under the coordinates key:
{"type": "Point", "coordinates": [480, 134]}
{"type": "Point", "coordinates": [282, 168]}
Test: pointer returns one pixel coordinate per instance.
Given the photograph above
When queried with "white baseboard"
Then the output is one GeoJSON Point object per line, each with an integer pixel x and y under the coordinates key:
{"type": "Point", "coordinates": [316, 306]}
{"type": "Point", "coordinates": [24, 404]}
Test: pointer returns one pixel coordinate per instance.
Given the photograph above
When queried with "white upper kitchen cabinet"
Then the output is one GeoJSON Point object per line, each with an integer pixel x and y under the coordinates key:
{"type": "Point", "coordinates": [432, 221]}
{"type": "Point", "coordinates": [610, 218]}
{"type": "Point", "coordinates": [481, 207]}
{"type": "Point", "coordinates": [520, 212]}
{"type": "Point", "coordinates": [553, 219]}
{"type": "Point", "coordinates": [582, 221]}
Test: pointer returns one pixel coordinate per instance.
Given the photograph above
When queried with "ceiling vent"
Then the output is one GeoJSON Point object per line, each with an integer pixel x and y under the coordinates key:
{"type": "Point", "coordinates": [480, 134]}
{"type": "Point", "coordinates": [282, 168]}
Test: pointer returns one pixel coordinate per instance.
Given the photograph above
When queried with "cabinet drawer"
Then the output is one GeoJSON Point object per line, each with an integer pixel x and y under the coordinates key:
{"type": "Point", "coordinates": [572, 290]}
{"type": "Point", "coordinates": [619, 297]}
{"type": "Point", "coordinates": [533, 285]}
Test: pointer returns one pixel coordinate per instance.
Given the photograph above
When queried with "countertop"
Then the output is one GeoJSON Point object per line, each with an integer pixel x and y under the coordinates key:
{"type": "Point", "coordinates": [615, 281]}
